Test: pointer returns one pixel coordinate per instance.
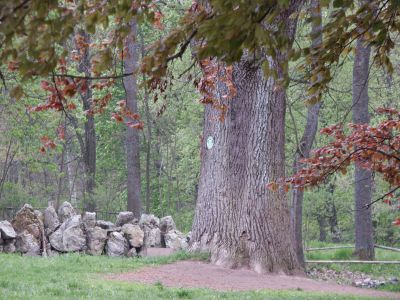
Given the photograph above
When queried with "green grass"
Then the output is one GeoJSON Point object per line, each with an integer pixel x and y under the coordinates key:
{"type": "Point", "coordinates": [75, 276]}
{"type": "Point", "coordinates": [375, 270]}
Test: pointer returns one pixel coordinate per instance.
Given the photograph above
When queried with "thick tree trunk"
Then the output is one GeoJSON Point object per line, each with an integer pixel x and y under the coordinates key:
{"type": "Point", "coordinates": [305, 144]}
{"type": "Point", "coordinates": [363, 178]}
{"type": "Point", "coordinates": [237, 219]}
{"type": "Point", "coordinates": [89, 155]}
{"type": "Point", "coordinates": [132, 135]}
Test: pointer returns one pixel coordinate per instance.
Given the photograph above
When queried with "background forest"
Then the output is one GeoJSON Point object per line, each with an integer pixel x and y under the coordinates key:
{"type": "Point", "coordinates": [169, 143]}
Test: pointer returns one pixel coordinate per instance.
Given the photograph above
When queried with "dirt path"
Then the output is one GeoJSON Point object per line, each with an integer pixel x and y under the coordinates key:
{"type": "Point", "coordinates": [195, 274]}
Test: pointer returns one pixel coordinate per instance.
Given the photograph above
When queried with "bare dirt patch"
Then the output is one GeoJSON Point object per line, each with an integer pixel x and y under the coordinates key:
{"type": "Point", "coordinates": [195, 274]}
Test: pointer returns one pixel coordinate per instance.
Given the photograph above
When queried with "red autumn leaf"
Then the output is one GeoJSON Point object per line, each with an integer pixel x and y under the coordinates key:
{"type": "Point", "coordinates": [135, 125]}
{"type": "Point", "coordinates": [387, 201]}
{"type": "Point", "coordinates": [47, 142]}
{"type": "Point", "coordinates": [44, 139]}
{"type": "Point", "coordinates": [122, 102]}
{"type": "Point", "coordinates": [61, 132]}
{"type": "Point", "coordinates": [375, 148]}
{"type": "Point", "coordinates": [13, 65]}
{"type": "Point", "coordinates": [71, 105]}
{"type": "Point", "coordinates": [117, 118]}
{"type": "Point", "coordinates": [69, 90]}
{"type": "Point", "coordinates": [157, 21]}
{"type": "Point", "coordinates": [272, 186]}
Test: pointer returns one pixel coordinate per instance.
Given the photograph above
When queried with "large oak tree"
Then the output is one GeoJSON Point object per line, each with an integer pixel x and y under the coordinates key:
{"type": "Point", "coordinates": [239, 220]}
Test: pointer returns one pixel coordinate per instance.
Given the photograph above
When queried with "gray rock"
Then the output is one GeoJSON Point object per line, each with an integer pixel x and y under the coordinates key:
{"type": "Point", "coordinates": [167, 224]}
{"type": "Point", "coordinates": [66, 211]}
{"type": "Point", "coordinates": [176, 240]}
{"type": "Point", "coordinates": [114, 229]}
{"type": "Point", "coordinates": [134, 234]}
{"type": "Point", "coordinates": [125, 217]}
{"type": "Point", "coordinates": [96, 240]}
{"type": "Point", "coordinates": [7, 231]}
{"type": "Point", "coordinates": [69, 237]}
{"type": "Point", "coordinates": [131, 253]}
{"type": "Point", "coordinates": [1, 248]}
{"type": "Point", "coordinates": [117, 245]}
{"type": "Point", "coordinates": [51, 221]}
{"type": "Point", "coordinates": [89, 220]}
{"type": "Point", "coordinates": [1, 240]}
{"type": "Point", "coordinates": [149, 221]}
{"type": "Point", "coordinates": [26, 219]}
{"type": "Point", "coordinates": [26, 243]}
{"type": "Point", "coordinates": [152, 237]}
{"type": "Point", "coordinates": [39, 215]}
{"type": "Point", "coordinates": [105, 224]}
{"type": "Point", "coordinates": [52, 253]}
{"type": "Point", "coordinates": [141, 252]}
{"type": "Point", "coordinates": [9, 246]}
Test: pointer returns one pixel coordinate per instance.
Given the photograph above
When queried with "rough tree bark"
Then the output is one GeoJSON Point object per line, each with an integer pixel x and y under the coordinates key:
{"type": "Point", "coordinates": [305, 144]}
{"type": "Point", "coordinates": [89, 151]}
{"type": "Point", "coordinates": [132, 136]}
{"type": "Point", "coordinates": [364, 246]}
{"type": "Point", "coordinates": [237, 219]}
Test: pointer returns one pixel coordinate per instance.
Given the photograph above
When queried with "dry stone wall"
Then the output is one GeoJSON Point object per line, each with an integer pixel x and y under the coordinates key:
{"type": "Point", "coordinates": [53, 232]}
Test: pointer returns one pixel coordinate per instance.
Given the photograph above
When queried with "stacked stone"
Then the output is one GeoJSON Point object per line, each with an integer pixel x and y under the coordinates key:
{"type": "Point", "coordinates": [52, 233]}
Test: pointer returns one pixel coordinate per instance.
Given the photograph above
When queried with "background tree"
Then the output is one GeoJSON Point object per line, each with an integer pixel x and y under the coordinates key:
{"type": "Point", "coordinates": [132, 138]}
{"type": "Point", "coordinates": [306, 141]}
{"type": "Point", "coordinates": [88, 144]}
{"type": "Point", "coordinates": [364, 236]}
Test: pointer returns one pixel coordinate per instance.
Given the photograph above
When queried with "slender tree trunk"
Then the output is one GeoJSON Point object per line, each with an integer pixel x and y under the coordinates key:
{"type": "Point", "coordinates": [71, 171]}
{"type": "Point", "coordinates": [132, 135]}
{"type": "Point", "coordinates": [237, 219]}
{"type": "Point", "coordinates": [148, 147]}
{"type": "Point", "coordinates": [322, 228]}
{"type": "Point", "coordinates": [159, 165]}
{"type": "Point", "coordinates": [60, 179]}
{"type": "Point", "coordinates": [89, 155]}
{"type": "Point", "coordinates": [305, 144]}
{"type": "Point", "coordinates": [303, 151]}
{"type": "Point", "coordinates": [364, 247]}
{"type": "Point", "coordinates": [10, 154]}
{"type": "Point", "coordinates": [149, 135]}
{"type": "Point", "coordinates": [333, 223]}
{"type": "Point", "coordinates": [71, 179]}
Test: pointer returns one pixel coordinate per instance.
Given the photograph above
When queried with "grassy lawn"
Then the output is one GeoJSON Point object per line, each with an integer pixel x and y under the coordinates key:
{"type": "Point", "coordinates": [375, 270]}
{"type": "Point", "coordinates": [75, 276]}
